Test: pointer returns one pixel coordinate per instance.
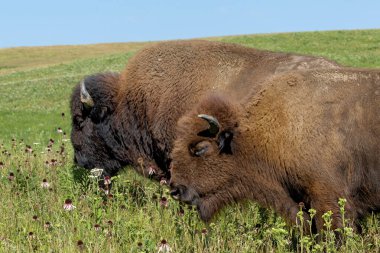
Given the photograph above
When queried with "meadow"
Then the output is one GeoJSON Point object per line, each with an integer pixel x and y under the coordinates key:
{"type": "Point", "coordinates": [49, 205]}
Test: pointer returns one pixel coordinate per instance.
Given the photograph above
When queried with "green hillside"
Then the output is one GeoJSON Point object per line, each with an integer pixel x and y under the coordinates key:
{"type": "Point", "coordinates": [35, 87]}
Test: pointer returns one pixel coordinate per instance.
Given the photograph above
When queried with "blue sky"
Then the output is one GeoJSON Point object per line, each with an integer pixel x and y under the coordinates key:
{"type": "Point", "coordinates": [42, 22]}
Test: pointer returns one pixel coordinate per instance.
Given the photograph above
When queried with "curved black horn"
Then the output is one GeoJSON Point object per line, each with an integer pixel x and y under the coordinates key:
{"type": "Point", "coordinates": [213, 130]}
{"type": "Point", "coordinates": [85, 97]}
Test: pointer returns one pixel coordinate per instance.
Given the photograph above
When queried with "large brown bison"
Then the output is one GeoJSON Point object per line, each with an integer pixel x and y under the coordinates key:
{"type": "Point", "coordinates": [129, 118]}
{"type": "Point", "coordinates": [308, 136]}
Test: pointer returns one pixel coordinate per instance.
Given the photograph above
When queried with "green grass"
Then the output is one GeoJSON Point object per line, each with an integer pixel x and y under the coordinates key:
{"type": "Point", "coordinates": [35, 88]}
{"type": "Point", "coordinates": [24, 58]}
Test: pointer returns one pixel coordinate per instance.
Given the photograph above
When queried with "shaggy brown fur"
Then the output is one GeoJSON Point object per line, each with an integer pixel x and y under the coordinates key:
{"type": "Point", "coordinates": [307, 136]}
{"type": "Point", "coordinates": [135, 113]}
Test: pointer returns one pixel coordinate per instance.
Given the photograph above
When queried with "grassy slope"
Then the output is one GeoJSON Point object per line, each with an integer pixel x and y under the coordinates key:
{"type": "Point", "coordinates": [23, 58]}
{"type": "Point", "coordinates": [35, 88]}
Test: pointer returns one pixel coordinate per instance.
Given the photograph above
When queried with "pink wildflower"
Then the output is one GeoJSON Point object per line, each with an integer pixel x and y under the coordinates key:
{"type": "Point", "coordinates": [151, 171]}
{"type": "Point", "coordinates": [107, 180]}
{"type": "Point", "coordinates": [68, 206]}
{"type": "Point", "coordinates": [11, 176]}
{"type": "Point", "coordinates": [97, 227]}
{"type": "Point", "coordinates": [163, 181]}
{"type": "Point", "coordinates": [45, 184]}
{"type": "Point", "coordinates": [164, 202]}
{"type": "Point", "coordinates": [164, 247]}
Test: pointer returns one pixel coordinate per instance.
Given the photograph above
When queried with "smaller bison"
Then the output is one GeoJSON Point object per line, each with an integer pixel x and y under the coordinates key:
{"type": "Point", "coordinates": [307, 136]}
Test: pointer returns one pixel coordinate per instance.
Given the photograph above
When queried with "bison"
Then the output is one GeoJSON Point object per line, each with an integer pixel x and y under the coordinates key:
{"type": "Point", "coordinates": [129, 118]}
{"type": "Point", "coordinates": [310, 136]}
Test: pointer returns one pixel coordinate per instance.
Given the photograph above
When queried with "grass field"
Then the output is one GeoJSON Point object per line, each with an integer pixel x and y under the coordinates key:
{"type": "Point", "coordinates": [35, 88]}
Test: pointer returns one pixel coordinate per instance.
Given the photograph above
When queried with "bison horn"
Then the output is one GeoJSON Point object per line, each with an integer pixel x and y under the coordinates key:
{"type": "Point", "coordinates": [85, 97]}
{"type": "Point", "coordinates": [214, 126]}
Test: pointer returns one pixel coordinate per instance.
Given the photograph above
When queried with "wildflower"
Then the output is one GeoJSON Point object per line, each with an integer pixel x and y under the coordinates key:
{"type": "Point", "coordinates": [47, 226]}
{"type": "Point", "coordinates": [151, 171]}
{"type": "Point", "coordinates": [11, 176]}
{"type": "Point", "coordinates": [164, 202]}
{"type": "Point", "coordinates": [110, 223]}
{"type": "Point", "coordinates": [164, 246]}
{"type": "Point", "coordinates": [139, 245]}
{"type": "Point", "coordinates": [80, 244]}
{"type": "Point", "coordinates": [163, 181]}
{"type": "Point", "coordinates": [53, 162]}
{"type": "Point", "coordinates": [181, 212]}
{"type": "Point", "coordinates": [35, 217]}
{"type": "Point", "coordinates": [68, 206]}
{"type": "Point", "coordinates": [95, 173]}
{"type": "Point", "coordinates": [204, 231]}
{"type": "Point", "coordinates": [107, 180]}
{"type": "Point", "coordinates": [31, 235]}
{"type": "Point", "coordinates": [1, 165]}
{"type": "Point", "coordinates": [45, 184]}
{"type": "Point", "coordinates": [97, 227]}
{"type": "Point", "coordinates": [59, 130]}
{"type": "Point", "coordinates": [28, 149]}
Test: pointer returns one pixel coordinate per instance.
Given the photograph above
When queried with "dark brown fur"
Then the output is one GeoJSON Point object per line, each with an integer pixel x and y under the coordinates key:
{"type": "Point", "coordinates": [307, 136]}
{"type": "Point", "coordinates": [135, 113]}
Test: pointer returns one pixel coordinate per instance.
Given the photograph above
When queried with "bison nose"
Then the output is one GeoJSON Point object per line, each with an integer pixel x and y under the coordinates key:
{"type": "Point", "coordinates": [177, 191]}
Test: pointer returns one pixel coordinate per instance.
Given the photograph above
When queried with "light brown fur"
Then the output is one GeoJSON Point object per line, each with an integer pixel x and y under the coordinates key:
{"type": "Point", "coordinates": [307, 136]}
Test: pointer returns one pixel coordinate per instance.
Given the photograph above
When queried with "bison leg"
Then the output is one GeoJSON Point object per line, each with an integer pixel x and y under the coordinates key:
{"type": "Point", "coordinates": [280, 200]}
{"type": "Point", "coordinates": [323, 203]}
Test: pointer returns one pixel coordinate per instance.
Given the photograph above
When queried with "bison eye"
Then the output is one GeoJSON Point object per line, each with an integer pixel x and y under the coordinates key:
{"type": "Point", "coordinates": [98, 114]}
{"type": "Point", "coordinates": [78, 122]}
{"type": "Point", "coordinates": [201, 148]}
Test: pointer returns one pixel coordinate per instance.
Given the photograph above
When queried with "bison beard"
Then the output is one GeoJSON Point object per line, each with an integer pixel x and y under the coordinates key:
{"type": "Point", "coordinates": [129, 118]}
{"type": "Point", "coordinates": [308, 136]}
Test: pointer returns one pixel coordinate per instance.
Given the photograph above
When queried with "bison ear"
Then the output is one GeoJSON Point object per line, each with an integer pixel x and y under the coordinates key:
{"type": "Point", "coordinates": [99, 113]}
{"type": "Point", "coordinates": [224, 142]}
{"type": "Point", "coordinates": [201, 148]}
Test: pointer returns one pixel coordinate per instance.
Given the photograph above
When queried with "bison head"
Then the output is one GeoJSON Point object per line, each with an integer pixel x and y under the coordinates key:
{"type": "Point", "coordinates": [92, 106]}
{"type": "Point", "coordinates": [204, 171]}
{"type": "Point", "coordinates": [104, 137]}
